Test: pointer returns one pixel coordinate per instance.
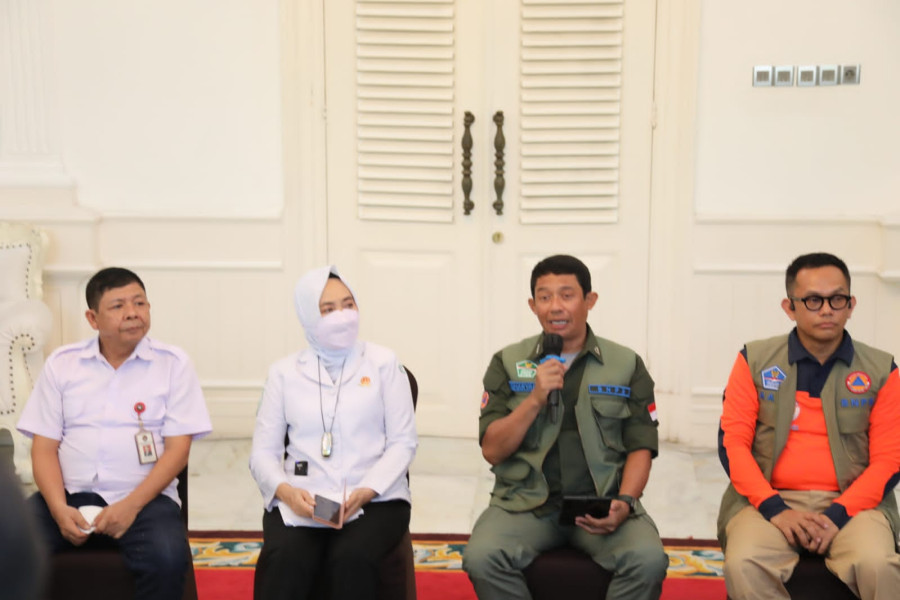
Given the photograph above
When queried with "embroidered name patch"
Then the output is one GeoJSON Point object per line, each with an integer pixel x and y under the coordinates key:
{"type": "Point", "coordinates": [857, 402]}
{"type": "Point", "coordinates": [858, 382]}
{"type": "Point", "coordinates": [611, 390]}
{"type": "Point", "coordinates": [521, 386]}
{"type": "Point", "coordinates": [772, 378]}
{"type": "Point", "coordinates": [526, 369]}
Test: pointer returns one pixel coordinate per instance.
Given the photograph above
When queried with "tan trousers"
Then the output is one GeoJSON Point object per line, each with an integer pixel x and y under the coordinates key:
{"type": "Point", "coordinates": [758, 558]}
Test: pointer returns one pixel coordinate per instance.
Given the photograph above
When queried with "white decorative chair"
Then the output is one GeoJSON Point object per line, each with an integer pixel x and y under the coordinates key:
{"type": "Point", "coordinates": [24, 328]}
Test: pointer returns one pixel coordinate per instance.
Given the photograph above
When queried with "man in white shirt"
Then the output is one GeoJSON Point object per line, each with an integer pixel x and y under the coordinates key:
{"type": "Point", "coordinates": [112, 419]}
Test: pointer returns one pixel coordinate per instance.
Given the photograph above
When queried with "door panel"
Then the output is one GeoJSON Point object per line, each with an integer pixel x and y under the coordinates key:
{"type": "Point", "coordinates": [445, 290]}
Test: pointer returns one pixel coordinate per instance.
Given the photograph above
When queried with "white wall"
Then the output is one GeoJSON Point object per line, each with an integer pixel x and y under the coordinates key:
{"type": "Point", "coordinates": [153, 136]}
{"type": "Point", "coordinates": [170, 107]}
{"type": "Point", "coordinates": [747, 178]}
{"type": "Point", "coordinates": [798, 151]}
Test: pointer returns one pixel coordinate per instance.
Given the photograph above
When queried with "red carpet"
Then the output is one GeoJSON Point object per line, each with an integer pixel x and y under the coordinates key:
{"type": "Point", "coordinates": [220, 583]}
{"type": "Point", "coordinates": [237, 584]}
{"type": "Point", "coordinates": [454, 585]}
{"type": "Point", "coordinates": [224, 566]}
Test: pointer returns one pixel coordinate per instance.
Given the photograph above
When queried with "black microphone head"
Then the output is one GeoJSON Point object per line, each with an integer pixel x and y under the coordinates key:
{"type": "Point", "coordinates": [553, 344]}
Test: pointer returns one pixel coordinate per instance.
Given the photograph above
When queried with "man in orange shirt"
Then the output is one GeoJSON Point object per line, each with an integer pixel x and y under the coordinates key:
{"type": "Point", "coordinates": [809, 436]}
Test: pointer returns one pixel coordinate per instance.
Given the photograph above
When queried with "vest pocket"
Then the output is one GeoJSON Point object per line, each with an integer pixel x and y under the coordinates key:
{"type": "Point", "coordinates": [853, 423]}
{"type": "Point", "coordinates": [853, 420]}
{"type": "Point", "coordinates": [609, 413]}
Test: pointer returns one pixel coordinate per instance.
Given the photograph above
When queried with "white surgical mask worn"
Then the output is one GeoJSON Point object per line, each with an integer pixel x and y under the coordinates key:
{"type": "Point", "coordinates": [332, 337]}
{"type": "Point", "coordinates": [338, 329]}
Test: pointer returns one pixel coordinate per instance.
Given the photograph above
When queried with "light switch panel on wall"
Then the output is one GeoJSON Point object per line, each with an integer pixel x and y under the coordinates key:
{"type": "Point", "coordinates": [807, 75]}
{"type": "Point", "coordinates": [784, 75]}
{"type": "Point", "coordinates": [849, 74]}
{"type": "Point", "coordinates": [762, 75]}
{"type": "Point", "coordinates": [828, 75]}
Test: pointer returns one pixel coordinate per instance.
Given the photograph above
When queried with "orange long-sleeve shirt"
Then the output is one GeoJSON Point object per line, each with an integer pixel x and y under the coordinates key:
{"type": "Point", "coordinates": [806, 461]}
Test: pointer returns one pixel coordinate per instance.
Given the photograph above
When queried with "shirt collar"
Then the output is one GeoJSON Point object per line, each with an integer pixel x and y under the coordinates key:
{"type": "Point", "coordinates": [590, 347]}
{"type": "Point", "coordinates": [797, 352]}
{"type": "Point", "coordinates": [144, 349]}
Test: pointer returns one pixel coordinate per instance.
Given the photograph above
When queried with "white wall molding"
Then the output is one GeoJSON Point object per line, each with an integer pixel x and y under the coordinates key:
{"type": "Point", "coordinates": [62, 272]}
{"type": "Point", "coordinates": [234, 265]}
{"type": "Point", "coordinates": [890, 231]}
{"type": "Point", "coordinates": [131, 218]}
{"type": "Point", "coordinates": [29, 154]}
{"type": "Point", "coordinates": [218, 385]}
{"type": "Point", "coordinates": [304, 134]}
{"type": "Point", "coordinates": [38, 172]}
{"type": "Point", "coordinates": [795, 220]}
{"type": "Point", "coordinates": [707, 391]}
{"type": "Point", "coordinates": [193, 244]}
{"type": "Point", "coordinates": [738, 269]}
{"type": "Point", "coordinates": [671, 209]}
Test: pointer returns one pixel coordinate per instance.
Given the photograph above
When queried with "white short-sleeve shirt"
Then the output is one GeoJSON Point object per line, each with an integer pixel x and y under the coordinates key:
{"type": "Point", "coordinates": [373, 427]}
{"type": "Point", "coordinates": [90, 407]}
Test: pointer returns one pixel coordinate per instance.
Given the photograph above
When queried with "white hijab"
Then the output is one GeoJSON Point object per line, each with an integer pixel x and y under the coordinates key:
{"type": "Point", "coordinates": [334, 336]}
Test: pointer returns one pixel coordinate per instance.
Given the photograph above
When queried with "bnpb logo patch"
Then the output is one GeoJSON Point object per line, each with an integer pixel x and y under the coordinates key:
{"type": "Point", "coordinates": [772, 378]}
{"type": "Point", "coordinates": [484, 400]}
{"type": "Point", "coordinates": [526, 369]}
{"type": "Point", "coordinates": [858, 382]}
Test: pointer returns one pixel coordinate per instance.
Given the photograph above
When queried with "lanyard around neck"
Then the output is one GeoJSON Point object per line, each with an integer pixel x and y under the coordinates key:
{"type": "Point", "coordinates": [327, 439]}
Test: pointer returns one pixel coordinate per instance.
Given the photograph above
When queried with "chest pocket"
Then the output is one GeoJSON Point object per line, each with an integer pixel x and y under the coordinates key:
{"type": "Point", "coordinates": [610, 413]}
{"type": "Point", "coordinates": [853, 419]}
{"type": "Point", "coordinates": [155, 414]}
{"type": "Point", "coordinates": [853, 423]}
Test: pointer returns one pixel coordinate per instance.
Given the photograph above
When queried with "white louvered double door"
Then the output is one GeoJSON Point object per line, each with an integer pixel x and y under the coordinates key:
{"type": "Point", "coordinates": [446, 289]}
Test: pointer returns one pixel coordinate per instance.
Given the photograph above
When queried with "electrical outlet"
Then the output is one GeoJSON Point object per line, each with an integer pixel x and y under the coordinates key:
{"type": "Point", "coordinates": [807, 75]}
{"type": "Point", "coordinates": [849, 74]}
{"type": "Point", "coordinates": [762, 75]}
{"type": "Point", "coordinates": [828, 74]}
{"type": "Point", "coordinates": [784, 75]}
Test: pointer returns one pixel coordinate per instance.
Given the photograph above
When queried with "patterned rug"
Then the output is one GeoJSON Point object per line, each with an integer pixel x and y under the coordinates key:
{"type": "Point", "coordinates": [686, 559]}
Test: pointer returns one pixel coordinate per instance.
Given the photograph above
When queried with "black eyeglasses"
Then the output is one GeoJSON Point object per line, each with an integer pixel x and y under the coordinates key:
{"type": "Point", "coordinates": [814, 302]}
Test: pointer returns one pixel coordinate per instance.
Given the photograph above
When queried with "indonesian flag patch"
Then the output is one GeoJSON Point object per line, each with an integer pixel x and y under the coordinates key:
{"type": "Point", "coordinates": [652, 410]}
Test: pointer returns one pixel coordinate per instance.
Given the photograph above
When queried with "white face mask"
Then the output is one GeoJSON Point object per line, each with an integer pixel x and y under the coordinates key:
{"type": "Point", "coordinates": [338, 330]}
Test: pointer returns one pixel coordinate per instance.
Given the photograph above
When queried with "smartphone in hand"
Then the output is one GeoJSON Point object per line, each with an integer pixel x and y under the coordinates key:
{"type": "Point", "coordinates": [328, 512]}
{"type": "Point", "coordinates": [578, 506]}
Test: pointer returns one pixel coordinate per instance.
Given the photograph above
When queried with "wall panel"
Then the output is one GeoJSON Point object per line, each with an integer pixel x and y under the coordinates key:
{"type": "Point", "coordinates": [736, 287]}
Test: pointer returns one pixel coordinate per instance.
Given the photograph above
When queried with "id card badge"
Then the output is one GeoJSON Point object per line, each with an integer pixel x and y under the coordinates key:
{"type": "Point", "coordinates": [143, 439]}
{"type": "Point", "coordinates": [146, 447]}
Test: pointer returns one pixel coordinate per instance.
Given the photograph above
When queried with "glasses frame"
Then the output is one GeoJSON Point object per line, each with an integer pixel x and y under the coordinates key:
{"type": "Point", "coordinates": [820, 300]}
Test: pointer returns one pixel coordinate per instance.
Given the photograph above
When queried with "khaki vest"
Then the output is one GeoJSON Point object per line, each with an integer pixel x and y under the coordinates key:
{"type": "Point", "coordinates": [846, 416]}
{"type": "Point", "coordinates": [519, 480]}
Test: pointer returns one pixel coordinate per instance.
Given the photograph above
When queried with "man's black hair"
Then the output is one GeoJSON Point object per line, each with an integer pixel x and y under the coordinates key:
{"type": "Point", "coordinates": [108, 279]}
{"type": "Point", "coordinates": [813, 261]}
{"type": "Point", "coordinates": [562, 264]}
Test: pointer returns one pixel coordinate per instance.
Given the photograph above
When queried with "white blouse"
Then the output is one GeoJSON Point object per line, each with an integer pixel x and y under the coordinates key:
{"type": "Point", "coordinates": [372, 425]}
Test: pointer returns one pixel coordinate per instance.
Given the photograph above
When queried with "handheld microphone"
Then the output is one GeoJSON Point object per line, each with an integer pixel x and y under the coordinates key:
{"type": "Point", "coordinates": [553, 344]}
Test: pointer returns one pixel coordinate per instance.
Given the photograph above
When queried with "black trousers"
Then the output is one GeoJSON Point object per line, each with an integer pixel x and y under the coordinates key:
{"type": "Point", "coordinates": [155, 547]}
{"type": "Point", "coordinates": [295, 561]}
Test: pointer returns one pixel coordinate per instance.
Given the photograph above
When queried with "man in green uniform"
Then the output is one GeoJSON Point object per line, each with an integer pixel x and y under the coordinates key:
{"type": "Point", "coordinates": [599, 440]}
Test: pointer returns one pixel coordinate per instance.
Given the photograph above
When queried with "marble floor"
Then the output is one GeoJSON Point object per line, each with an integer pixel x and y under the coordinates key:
{"type": "Point", "coordinates": [450, 486]}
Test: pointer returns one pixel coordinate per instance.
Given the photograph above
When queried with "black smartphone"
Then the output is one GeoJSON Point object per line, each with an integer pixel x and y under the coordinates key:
{"type": "Point", "coordinates": [328, 512]}
{"type": "Point", "coordinates": [577, 506]}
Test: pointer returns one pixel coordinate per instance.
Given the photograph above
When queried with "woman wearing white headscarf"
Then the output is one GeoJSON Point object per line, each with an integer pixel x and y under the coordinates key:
{"type": "Point", "coordinates": [346, 409]}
